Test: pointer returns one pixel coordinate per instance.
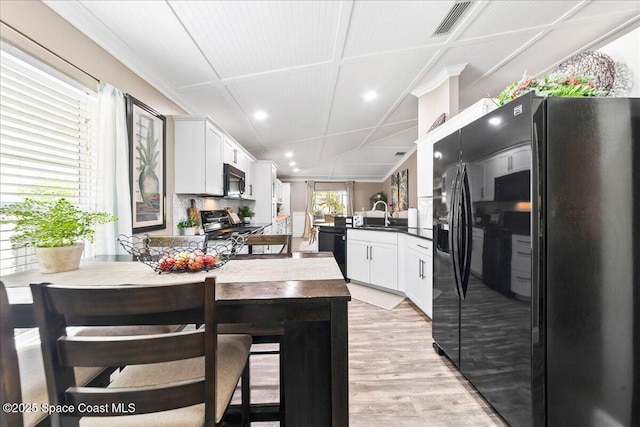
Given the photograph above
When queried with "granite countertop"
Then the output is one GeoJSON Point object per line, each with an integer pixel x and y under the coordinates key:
{"type": "Point", "coordinates": [423, 233]}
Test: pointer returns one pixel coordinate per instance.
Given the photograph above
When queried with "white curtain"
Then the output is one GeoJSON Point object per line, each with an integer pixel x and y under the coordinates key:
{"type": "Point", "coordinates": [350, 201]}
{"type": "Point", "coordinates": [308, 214]}
{"type": "Point", "coordinates": [113, 170]}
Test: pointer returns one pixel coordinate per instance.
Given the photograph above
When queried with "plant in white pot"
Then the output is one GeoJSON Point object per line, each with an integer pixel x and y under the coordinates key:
{"type": "Point", "coordinates": [55, 228]}
{"type": "Point", "coordinates": [188, 227]}
{"type": "Point", "coordinates": [246, 214]}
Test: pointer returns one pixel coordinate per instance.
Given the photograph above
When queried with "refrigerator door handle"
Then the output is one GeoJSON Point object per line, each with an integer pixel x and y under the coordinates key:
{"type": "Point", "coordinates": [467, 230]}
{"type": "Point", "coordinates": [454, 229]}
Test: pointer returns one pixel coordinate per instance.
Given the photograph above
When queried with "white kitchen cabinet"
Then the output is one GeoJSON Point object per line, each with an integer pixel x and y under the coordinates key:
{"type": "Point", "coordinates": [477, 248]}
{"type": "Point", "coordinates": [249, 192]}
{"type": "Point", "coordinates": [263, 185]}
{"type": "Point", "coordinates": [514, 160]}
{"type": "Point", "coordinates": [482, 176]}
{"type": "Point", "coordinates": [372, 257]}
{"type": "Point", "coordinates": [425, 169]}
{"type": "Point", "coordinates": [521, 266]}
{"type": "Point", "coordinates": [415, 276]}
{"type": "Point", "coordinates": [198, 156]}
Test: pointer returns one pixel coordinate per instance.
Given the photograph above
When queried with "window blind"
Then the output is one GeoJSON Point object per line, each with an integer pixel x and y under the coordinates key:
{"type": "Point", "coordinates": [46, 143]}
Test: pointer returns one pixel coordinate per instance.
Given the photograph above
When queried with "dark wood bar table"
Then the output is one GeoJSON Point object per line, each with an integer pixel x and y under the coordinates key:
{"type": "Point", "coordinates": [304, 291]}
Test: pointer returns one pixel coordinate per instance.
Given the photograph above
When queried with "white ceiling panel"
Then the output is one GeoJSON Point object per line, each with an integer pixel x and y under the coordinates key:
{"type": "Point", "coordinates": [294, 102]}
{"type": "Point", "coordinates": [480, 57]}
{"type": "Point", "coordinates": [401, 140]}
{"type": "Point", "coordinates": [361, 171]}
{"type": "Point", "coordinates": [307, 64]}
{"type": "Point", "coordinates": [388, 75]}
{"type": "Point", "coordinates": [392, 129]}
{"type": "Point", "coordinates": [248, 37]}
{"type": "Point", "coordinates": [407, 110]}
{"type": "Point", "coordinates": [504, 17]}
{"type": "Point", "coordinates": [335, 145]}
{"type": "Point", "coordinates": [380, 26]}
{"type": "Point", "coordinates": [143, 30]}
{"type": "Point", "coordinates": [602, 10]}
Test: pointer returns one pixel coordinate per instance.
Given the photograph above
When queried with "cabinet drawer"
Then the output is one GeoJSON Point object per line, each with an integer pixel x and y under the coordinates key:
{"type": "Point", "coordinates": [521, 283]}
{"type": "Point", "coordinates": [521, 261]}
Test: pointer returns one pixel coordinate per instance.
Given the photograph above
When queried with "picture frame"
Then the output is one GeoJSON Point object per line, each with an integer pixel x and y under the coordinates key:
{"type": "Point", "coordinates": [147, 166]}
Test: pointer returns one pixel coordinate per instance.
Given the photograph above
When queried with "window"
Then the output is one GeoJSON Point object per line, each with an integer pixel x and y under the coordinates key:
{"type": "Point", "coordinates": [329, 203]}
{"type": "Point", "coordinates": [46, 142]}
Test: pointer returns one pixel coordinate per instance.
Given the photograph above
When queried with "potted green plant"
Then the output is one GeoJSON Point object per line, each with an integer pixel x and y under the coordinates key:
{"type": "Point", "coordinates": [55, 228]}
{"type": "Point", "coordinates": [187, 227]}
{"type": "Point", "coordinates": [245, 213]}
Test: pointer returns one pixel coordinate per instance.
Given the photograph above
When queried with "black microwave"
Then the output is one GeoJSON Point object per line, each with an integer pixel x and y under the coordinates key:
{"type": "Point", "coordinates": [514, 187]}
{"type": "Point", "coordinates": [234, 181]}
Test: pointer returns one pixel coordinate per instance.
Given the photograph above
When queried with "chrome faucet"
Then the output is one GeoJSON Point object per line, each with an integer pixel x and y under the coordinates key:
{"type": "Point", "coordinates": [386, 212]}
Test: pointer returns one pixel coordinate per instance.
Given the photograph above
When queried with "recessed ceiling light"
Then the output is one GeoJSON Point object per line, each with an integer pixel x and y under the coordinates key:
{"type": "Point", "coordinates": [260, 115]}
{"type": "Point", "coordinates": [292, 163]}
{"type": "Point", "coordinates": [370, 96]}
{"type": "Point", "coordinates": [296, 169]}
{"type": "Point", "coordinates": [288, 154]}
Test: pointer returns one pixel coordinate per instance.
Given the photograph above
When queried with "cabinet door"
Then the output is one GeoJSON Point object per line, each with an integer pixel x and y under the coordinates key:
{"type": "Point", "coordinates": [412, 271]}
{"type": "Point", "coordinates": [230, 152]}
{"type": "Point", "coordinates": [425, 169]}
{"type": "Point", "coordinates": [189, 163]}
{"type": "Point", "coordinates": [521, 159]}
{"type": "Point", "coordinates": [427, 284]}
{"type": "Point", "coordinates": [490, 174]}
{"type": "Point", "coordinates": [384, 264]}
{"type": "Point", "coordinates": [214, 180]}
{"type": "Point", "coordinates": [358, 260]}
{"type": "Point", "coordinates": [477, 181]}
{"type": "Point", "coordinates": [476, 254]}
{"type": "Point", "coordinates": [248, 179]}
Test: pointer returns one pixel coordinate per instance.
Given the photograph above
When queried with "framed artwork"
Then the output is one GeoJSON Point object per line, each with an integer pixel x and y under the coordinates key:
{"type": "Point", "coordinates": [147, 132]}
{"type": "Point", "coordinates": [403, 190]}
{"type": "Point", "coordinates": [394, 192]}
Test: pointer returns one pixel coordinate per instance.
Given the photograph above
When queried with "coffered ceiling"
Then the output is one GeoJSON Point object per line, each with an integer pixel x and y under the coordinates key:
{"type": "Point", "coordinates": [308, 64]}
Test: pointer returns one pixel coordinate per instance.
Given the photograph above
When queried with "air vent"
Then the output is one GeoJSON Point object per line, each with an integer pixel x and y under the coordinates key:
{"type": "Point", "coordinates": [452, 18]}
{"type": "Point", "coordinates": [400, 153]}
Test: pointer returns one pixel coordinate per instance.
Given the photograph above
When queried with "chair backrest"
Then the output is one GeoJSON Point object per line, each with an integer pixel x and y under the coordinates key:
{"type": "Point", "coordinates": [270, 239]}
{"type": "Point", "coordinates": [57, 307]}
{"type": "Point", "coordinates": [10, 391]}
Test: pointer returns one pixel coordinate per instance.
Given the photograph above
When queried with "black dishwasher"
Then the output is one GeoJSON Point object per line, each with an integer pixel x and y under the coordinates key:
{"type": "Point", "coordinates": [333, 238]}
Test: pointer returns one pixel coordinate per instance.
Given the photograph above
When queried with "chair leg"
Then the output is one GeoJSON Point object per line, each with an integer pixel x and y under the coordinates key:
{"type": "Point", "coordinates": [246, 396]}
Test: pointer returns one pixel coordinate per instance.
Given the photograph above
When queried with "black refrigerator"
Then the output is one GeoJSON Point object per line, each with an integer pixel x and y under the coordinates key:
{"type": "Point", "coordinates": [537, 289]}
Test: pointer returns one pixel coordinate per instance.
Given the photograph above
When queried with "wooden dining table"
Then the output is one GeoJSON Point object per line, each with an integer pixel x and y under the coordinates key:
{"type": "Point", "coordinates": [304, 291]}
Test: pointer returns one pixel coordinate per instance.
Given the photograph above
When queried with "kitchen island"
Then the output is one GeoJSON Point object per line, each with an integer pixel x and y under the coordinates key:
{"type": "Point", "coordinates": [306, 292]}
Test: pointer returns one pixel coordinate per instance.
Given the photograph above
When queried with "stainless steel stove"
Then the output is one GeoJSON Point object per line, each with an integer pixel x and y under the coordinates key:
{"type": "Point", "coordinates": [216, 225]}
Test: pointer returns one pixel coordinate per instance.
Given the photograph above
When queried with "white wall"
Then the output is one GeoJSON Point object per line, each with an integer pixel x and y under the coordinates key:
{"type": "Point", "coordinates": [626, 50]}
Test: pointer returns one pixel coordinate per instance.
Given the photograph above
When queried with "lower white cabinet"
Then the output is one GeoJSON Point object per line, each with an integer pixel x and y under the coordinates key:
{"type": "Point", "coordinates": [476, 254]}
{"type": "Point", "coordinates": [521, 266]}
{"type": "Point", "coordinates": [372, 257]}
{"type": "Point", "coordinates": [416, 272]}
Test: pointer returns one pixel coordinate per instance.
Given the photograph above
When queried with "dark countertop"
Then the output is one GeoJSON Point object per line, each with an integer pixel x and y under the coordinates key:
{"type": "Point", "coordinates": [415, 232]}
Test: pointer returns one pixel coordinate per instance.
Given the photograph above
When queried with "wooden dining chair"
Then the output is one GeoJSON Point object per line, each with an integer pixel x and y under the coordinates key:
{"type": "Point", "coordinates": [194, 242]}
{"type": "Point", "coordinates": [22, 368]}
{"type": "Point", "coordinates": [270, 239]}
{"type": "Point", "coordinates": [179, 378]}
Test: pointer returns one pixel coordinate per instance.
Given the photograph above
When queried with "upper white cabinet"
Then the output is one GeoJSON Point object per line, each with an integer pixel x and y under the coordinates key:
{"type": "Point", "coordinates": [514, 160]}
{"type": "Point", "coordinates": [425, 169]}
{"type": "Point", "coordinates": [234, 155]}
{"type": "Point", "coordinates": [425, 156]}
{"type": "Point", "coordinates": [482, 177]}
{"type": "Point", "coordinates": [198, 156]}
{"type": "Point", "coordinates": [249, 192]}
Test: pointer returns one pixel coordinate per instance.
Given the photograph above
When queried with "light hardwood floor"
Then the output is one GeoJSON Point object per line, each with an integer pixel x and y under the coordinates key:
{"type": "Point", "coordinates": [395, 377]}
